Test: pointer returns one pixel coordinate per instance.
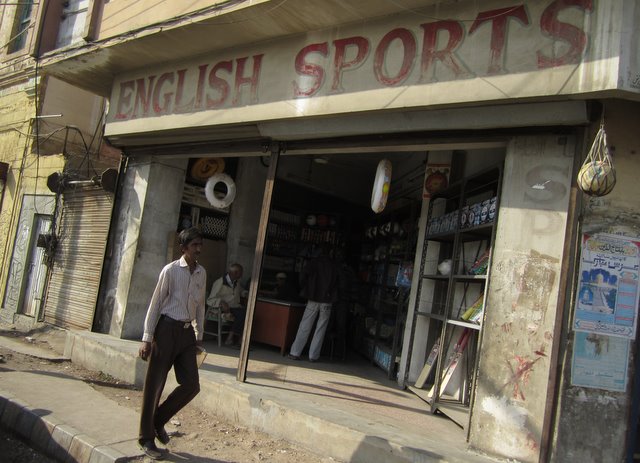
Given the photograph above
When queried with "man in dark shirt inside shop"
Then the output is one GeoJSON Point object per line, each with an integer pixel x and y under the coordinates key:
{"type": "Point", "coordinates": [319, 283]}
{"type": "Point", "coordinates": [284, 289]}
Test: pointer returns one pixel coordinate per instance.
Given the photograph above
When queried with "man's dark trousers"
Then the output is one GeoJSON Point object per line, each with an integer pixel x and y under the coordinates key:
{"type": "Point", "coordinates": [173, 345]}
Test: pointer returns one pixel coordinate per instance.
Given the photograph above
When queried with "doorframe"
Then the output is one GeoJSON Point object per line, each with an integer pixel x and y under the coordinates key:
{"type": "Point", "coordinates": [34, 250]}
{"type": "Point", "coordinates": [243, 361]}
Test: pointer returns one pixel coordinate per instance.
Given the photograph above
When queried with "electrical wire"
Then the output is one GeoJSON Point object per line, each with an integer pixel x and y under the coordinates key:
{"type": "Point", "coordinates": [37, 138]}
{"type": "Point", "coordinates": [28, 135]}
{"type": "Point", "coordinates": [30, 26]}
{"type": "Point", "coordinates": [435, 18]}
{"type": "Point", "coordinates": [180, 19]}
{"type": "Point", "coordinates": [251, 18]}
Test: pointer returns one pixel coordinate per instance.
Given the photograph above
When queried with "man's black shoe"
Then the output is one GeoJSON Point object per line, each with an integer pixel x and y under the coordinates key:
{"type": "Point", "coordinates": [149, 448]}
{"type": "Point", "coordinates": [162, 435]}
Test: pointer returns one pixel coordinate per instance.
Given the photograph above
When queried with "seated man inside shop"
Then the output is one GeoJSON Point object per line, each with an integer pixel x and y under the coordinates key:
{"type": "Point", "coordinates": [285, 289]}
{"type": "Point", "coordinates": [225, 295]}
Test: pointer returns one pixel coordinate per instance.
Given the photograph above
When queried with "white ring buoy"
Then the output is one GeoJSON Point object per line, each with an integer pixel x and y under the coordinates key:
{"type": "Point", "coordinates": [381, 185]}
{"type": "Point", "coordinates": [217, 199]}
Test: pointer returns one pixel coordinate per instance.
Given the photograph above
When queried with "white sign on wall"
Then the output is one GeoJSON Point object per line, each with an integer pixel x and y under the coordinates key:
{"type": "Point", "coordinates": [600, 361]}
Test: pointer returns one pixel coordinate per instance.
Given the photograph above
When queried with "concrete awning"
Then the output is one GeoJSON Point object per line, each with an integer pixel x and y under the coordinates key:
{"type": "Point", "coordinates": [93, 66]}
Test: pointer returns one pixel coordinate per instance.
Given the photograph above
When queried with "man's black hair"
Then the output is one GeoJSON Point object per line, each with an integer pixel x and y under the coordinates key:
{"type": "Point", "coordinates": [188, 235]}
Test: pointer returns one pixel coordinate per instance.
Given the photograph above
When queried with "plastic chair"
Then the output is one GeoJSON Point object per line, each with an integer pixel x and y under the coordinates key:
{"type": "Point", "coordinates": [222, 325]}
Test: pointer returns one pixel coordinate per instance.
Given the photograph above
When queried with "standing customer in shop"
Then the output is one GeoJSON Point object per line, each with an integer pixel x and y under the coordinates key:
{"type": "Point", "coordinates": [173, 330]}
{"type": "Point", "coordinates": [319, 283]}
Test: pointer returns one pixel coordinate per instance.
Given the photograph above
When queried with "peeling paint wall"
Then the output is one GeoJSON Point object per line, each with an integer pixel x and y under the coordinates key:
{"type": "Point", "coordinates": [521, 303]}
{"type": "Point", "coordinates": [148, 212]}
{"type": "Point", "coordinates": [592, 424]}
{"type": "Point", "coordinates": [26, 181]}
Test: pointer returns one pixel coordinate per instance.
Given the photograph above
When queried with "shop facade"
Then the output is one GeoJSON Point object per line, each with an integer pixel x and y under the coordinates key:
{"type": "Point", "coordinates": [45, 124]}
{"type": "Point", "coordinates": [521, 87]}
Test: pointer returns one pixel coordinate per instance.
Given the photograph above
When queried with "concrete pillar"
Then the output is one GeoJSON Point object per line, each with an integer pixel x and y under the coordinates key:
{"type": "Point", "coordinates": [148, 211]}
{"type": "Point", "coordinates": [517, 337]}
{"type": "Point", "coordinates": [245, 214]}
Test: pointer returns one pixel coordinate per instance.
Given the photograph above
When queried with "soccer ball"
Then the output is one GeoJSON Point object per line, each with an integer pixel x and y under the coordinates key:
{"type": "Point", "coordinates": [596, 178]}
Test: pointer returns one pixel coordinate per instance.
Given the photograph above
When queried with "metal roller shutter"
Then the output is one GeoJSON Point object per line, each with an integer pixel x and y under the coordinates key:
{"type": "Point", "coordinates": [74, 281]}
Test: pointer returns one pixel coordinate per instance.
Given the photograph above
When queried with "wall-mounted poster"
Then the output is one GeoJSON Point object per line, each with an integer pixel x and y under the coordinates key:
{"type": "Point", "coordinates": [436, 179]}
{"type": "Point", "coordinates": [600, 361]}
{"type": "Point", "coordinates": [607, 301]}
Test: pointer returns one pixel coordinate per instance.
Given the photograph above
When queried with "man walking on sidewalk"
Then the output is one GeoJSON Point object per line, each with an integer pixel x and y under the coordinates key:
{"type": "Point", "coordinates": [173, 329]}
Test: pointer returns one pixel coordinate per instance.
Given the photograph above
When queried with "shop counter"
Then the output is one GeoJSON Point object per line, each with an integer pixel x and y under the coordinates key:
{"type": "Point", "coordinates": [275, 322]}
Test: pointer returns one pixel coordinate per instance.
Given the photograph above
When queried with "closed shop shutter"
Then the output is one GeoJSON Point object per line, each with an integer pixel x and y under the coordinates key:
{"type": "Point", "coordinates": [75, 276]}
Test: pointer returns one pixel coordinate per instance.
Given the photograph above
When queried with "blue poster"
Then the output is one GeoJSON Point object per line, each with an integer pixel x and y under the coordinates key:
{"type": "Point", "coordinates": [607, 300]}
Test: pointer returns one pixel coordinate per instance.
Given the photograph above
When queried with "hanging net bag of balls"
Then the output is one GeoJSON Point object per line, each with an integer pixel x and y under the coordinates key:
{"type": "Point", "coordinates": [597, 176]}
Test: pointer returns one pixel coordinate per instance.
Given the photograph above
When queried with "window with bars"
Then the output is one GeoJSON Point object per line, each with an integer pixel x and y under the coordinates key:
{"type": "Point", "coordinates": [72, 24]}
{"type": "Point", "coordinates": [21, 23]}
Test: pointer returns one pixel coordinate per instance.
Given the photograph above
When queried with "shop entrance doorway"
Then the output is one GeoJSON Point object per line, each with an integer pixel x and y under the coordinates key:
{"type": "Point", "coordinates": [324, 196]}
{"type": "Point", "coordinates": [324, 200]}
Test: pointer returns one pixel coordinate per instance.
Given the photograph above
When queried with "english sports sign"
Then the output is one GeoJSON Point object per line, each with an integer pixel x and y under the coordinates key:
{"type": "Point", "coordinates": [437, 56]}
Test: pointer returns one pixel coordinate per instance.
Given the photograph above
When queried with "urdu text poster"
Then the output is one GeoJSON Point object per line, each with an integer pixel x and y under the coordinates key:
{"type": "Point", "coordinates": [607, 300]}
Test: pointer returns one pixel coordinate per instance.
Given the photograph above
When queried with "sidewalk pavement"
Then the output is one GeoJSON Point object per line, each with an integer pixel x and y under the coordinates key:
{"type": "Point", "coordinates": [327, 410]}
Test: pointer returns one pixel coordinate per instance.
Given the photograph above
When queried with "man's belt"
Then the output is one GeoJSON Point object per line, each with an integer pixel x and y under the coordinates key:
{"type": "Point", "coordinates": [180, 323]}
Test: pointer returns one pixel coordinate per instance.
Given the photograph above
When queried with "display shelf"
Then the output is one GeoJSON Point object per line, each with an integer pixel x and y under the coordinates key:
{"type": "Point", "coordinates": [436, 276]}
{"type": "Point", "coordinates": [193, 195]}
{"type": "Point", "coordinates": [476, 232]}
{"type": "Point", "coordinates": [454, 410]}
{"type": "Point", "coordinates": [385, 270]}
{"type": "Point", "coordinates": [422, 393]}
{"type": "Point", "coordinates": [460, 227]}
{"type": "Point", "coordinates": [472, 326]}
{"type": "Point", "coordinates": [441, 237]}
{"type": "Point", "coordinates": [432, 315]}
{"type": "Point", "coordinates": [469, 278]}
{"type": "Point", "coordinates": [291, 242]}
{"type": "Point", "coordinates": [196, 211]}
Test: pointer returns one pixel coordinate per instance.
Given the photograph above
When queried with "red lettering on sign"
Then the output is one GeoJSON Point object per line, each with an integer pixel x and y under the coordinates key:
{"type": "Point", "coordinates": [499, 19]}
{"type": "Point", "coordinates": [219, 84]}
{"type": "Point", "coordinates": [237, 81]}
{"type": "Point", "coordinates": [167, 77]}
{"type": "Point", "coordinates": [304, 68]}
{"type": "Point", "coordinates": [202, 72]}
{"type": "Point", "coordinates": [339, 63]}
{"type": "Point", "coordinates": [252, 81]}
{"type": "Point", "coordinates": [409, 45]}
{"type": "Point", "coordinates": [179, 105]}
{"type": "Point", "coordinates": [143, 96]}
{"type": "Point", "coordinates": [124, 100]}
{"type": "Point", "coordinates": [446, 56]}
{"type": "Point", "coordinates": [575, 37]}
